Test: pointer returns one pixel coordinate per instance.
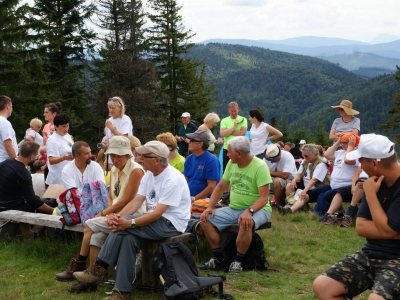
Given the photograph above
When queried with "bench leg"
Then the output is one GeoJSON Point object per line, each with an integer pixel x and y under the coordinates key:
{"type": "Point", "coordinates": [147, 262]}
{"type": "Point", "coordinates": [13, 230]}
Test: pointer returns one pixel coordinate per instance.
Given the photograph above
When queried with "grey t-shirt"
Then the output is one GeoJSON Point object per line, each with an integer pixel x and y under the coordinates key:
{"type": "Point", "coordinates": [340, 126]}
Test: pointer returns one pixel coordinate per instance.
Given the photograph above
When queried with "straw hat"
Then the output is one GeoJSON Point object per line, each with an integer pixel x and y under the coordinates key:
{"type": "Point", "coordinates": [347, 107]}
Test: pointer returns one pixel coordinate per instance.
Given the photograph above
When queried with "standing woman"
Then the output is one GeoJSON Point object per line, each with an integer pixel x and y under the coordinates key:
{"type": "Point", "coordinates": [210, 121]}
{"type": "Point", "coordinates": [260, 133]}
{"type": "Point", "coordinates": [59, 149]}
{"type": "Point", "coordinates": [51, 110]}
{"type": "Point", "coordinates": [347, 122]}
{"type": "Point", "coordinates": [118, 123]}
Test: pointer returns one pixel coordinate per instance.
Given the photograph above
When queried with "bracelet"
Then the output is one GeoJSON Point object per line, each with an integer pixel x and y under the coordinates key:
{"type": "Point", "coordinates": [101, 213]}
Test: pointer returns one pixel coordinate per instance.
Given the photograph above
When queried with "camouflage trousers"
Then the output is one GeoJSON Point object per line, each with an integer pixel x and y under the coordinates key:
{"type": "Point", "coordinates": [359, 273]}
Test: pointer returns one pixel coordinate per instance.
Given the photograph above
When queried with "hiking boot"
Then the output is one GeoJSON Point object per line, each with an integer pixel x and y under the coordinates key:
{"type": "Point", "coordinates": [212, 264]}
{"type": "Point", "coordinates": [284, 210]}
{"type": "Point", "coordinates": [117, 295]}
{"type": "Point", "coordinates": [330, 220]}
{"type": "Point", "coordinates": [323, 218]}
{"type": "Point", "coordinates": [235, 267]}
{"type": "Point", "coordinates": [75, 266]}
{"type": "Point", "coordinates": [306, 207]}
{"type": "Point", "coordinates": [339, 217]}
{"type": "Point", "coordinates": [82, 287]}
{"type": "Point", "coordinates": [346, 222]}
{"type": "Point", "coordinates": [91, 275]}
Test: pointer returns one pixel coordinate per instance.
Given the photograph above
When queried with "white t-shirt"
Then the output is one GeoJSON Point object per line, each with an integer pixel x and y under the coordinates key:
{"type": "Point", "coordinates": [38, 184]}
{"type": "Point", "coordinates": [6, 132]}
{"type": "Point", "coordinates": [319, 173]}
{"type": "Point", "coordinates": [212, 141]}
{"type": "Point", "coordinates": [286, 164]}
{"type": "Point", "coordinates": [169, 188]}
{"type": "Point", "coordinates": [57, 146]}
{"type": "Point", "coordinates": [342, 173]}
{"type": "Point", "coordinates": [72, 177]}
{"type": "Point", "coordinates": [123, 125]}
{"type": "Point", "coordinates": [37, 138]}
{"type": "Point", "coordinates": [258, 137]}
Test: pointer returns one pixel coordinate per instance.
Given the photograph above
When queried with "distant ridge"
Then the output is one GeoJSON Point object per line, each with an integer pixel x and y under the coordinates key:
{"type": "Point", "coordinates": [314, 41]}
{"type": "Point", "coordinates": [391, 49]}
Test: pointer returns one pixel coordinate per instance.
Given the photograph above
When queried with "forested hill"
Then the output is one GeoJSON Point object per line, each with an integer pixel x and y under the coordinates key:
{"type": "Point", "coordinates": [295, 89]}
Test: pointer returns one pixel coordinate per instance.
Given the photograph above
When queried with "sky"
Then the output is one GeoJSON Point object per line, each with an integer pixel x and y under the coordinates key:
{"type": "Point", "coordinates": [360, 20]}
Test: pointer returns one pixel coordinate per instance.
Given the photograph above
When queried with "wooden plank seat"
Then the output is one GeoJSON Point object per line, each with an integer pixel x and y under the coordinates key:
{"type": "Point", "coordinates": [21, 222]}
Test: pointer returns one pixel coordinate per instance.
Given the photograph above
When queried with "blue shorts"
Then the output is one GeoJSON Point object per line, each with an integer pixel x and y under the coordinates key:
{"type": "Point", "coordinates": [226, 216]}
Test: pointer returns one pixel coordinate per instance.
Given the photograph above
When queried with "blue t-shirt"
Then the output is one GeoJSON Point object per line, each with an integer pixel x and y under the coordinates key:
{"type": "Point", "coordinates": [200, 169]}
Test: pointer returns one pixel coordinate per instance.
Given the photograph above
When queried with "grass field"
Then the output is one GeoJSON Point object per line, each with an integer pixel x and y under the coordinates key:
{"type": "Point", "coordinates": [298, 249]}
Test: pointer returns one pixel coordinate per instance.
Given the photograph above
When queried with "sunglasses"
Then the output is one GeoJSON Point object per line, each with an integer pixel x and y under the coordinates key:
{"type": "Point", "coordinates": [114, 100]}
{"type": "Point", "coordinates": [340, 109]}
{"type": "Point", "coordinates": [344, 143]}
{"type": "Point", "coordinates": [116, 188]}
{"type": "Point", "coordinates": [194, 141]}
{"type": "Point", "coordinates": [144, 156]}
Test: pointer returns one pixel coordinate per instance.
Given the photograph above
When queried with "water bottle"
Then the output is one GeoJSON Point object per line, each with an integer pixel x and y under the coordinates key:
{"type": "Point", "coordinates": [65, 214]}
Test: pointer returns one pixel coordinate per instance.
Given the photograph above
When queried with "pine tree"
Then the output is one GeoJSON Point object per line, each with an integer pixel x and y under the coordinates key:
{"type": "Point", "coordinates": [182, 78]}
{"type": "Point", "coordinates": [122, 69]}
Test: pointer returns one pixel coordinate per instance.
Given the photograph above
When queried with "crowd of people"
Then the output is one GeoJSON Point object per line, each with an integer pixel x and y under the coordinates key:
{"type": "Point", "coordinates": [151, 188]}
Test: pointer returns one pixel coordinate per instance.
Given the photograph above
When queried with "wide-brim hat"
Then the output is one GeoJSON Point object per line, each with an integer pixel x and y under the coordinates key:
{"type": "Point", "coordinates": [119, 145]}
{"type": "Point", "coordinates": [347, 107]}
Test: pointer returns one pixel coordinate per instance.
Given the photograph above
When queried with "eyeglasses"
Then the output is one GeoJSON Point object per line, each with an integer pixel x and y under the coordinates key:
{"type": "Point", "coordinates": [116, 188]}
{"type": "Point", "coordinates": [195, 141]}
{"type": "Point", "coordinates": [344, 143]}
{"type": "Point", "coordinates": [149, 156]}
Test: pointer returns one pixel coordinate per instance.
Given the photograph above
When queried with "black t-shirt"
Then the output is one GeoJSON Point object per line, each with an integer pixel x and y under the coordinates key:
{"type": "Point", "coordinates": [16, 187]}
{"type": "Point", "coordinates": [390, 201]}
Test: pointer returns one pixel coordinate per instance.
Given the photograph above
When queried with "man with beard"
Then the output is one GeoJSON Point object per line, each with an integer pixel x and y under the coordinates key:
{"type": "Point", "coordinates": [82, 169]}
{"type": "Point", "coordinates": [16, 189]}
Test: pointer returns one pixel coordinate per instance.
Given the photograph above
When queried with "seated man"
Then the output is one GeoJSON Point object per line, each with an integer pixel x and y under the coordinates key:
{"type": "Point", "coordinates": [202, 169]}
{"type": "Point", "coordinates": [167, 195]}
{"type": "Point", "coordinates": [249, 180]}
{"type": "Point", "coordinates": [82, 169]}
{"type": "Point", "coordinates": [377, 265]}
{"type": "Point", "coordinates": [282, 169]}
{"type": "Point", "coordinates": [16, 189]}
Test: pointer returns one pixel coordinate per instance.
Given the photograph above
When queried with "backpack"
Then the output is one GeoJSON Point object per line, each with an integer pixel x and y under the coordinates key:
{"type": "Point", "coordinates": [69, 203]}
{"type": "Point", "coordinates": [255, 256]}
{"type": "Point", "coordinates": [175, 265]}
{"type": "Point", "coordinates": [200, 205]}
{"type": "Point", "coordinates": [93, 200]}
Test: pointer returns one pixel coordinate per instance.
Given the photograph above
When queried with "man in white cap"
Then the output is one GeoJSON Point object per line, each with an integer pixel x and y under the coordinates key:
{"type": "Point", "coordinates": [302, 143]}
{"type": "Point", "coordinates": [187, 126]}
{"type": "Point", "coordinates": [377, 265]}
{"type": "Point", "coordinates": [168, 211]}
{"type": "Point", "coordinates": [282, 168]}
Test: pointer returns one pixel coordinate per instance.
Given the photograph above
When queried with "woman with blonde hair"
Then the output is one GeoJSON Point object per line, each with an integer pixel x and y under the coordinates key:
{"type": "Point", "coordinates": [32, 133]}
{"type": "Point", "coordinates": [118, 123]}
{"type": "Point", "coordinates": [210, 121]}
{"type": "Point", "coordinates": [174, 158]}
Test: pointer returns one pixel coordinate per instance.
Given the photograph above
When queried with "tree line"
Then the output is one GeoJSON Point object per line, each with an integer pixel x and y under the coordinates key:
{"type": "Point", "coordinates": [50, 52]}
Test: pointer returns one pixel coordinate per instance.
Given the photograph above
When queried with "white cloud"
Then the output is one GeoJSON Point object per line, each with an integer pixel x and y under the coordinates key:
{"type": "Point", "coordinates": [277, 19]}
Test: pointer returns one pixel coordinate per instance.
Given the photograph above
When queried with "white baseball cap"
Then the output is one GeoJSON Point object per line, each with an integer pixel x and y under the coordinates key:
{"type": "Point", "coordinates": [185, 115]}
{"type": "Point", "coordinates": [373, 146]}
{"type": "Point", "coordinates": [302, 142]}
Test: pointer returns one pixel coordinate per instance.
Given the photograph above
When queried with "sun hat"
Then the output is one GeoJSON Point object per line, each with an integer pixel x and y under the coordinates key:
{"type": "Point", "coordinates": [200, 134]}
{"type": "Point", "coordinates": [373, 146]}
{"type": "Point", "coordinates": [347, 137]}
{"type": "Point", "coordinates": [156, 147]}
{"type": "Point", "coordinates": [347, 107]}
{"type": "Point", "coordinates": [302, 142]}
{"type": "Point", "coordinates": [185, 115]}
{"type": "Point", "coordinates": [272, 152]}
{"type": "Point", "coordinates": [119, 145]}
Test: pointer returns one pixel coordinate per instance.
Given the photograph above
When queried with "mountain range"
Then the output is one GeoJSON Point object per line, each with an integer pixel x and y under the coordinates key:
{"type": "Point", "coordinates": [385, 56]}
{"type": "Point", "coordinates": [297, 90]}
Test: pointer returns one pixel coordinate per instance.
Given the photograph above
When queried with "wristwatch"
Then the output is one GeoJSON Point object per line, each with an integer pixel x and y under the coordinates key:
{"type": "Point", "coordinates": [251, 211]}
{"type": "Point", "coordinates": [133, 225]}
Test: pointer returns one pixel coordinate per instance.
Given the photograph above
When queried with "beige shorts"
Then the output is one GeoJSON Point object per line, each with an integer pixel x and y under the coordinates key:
{"type": "Point", "coordinates": [100, 231]}
{"type": "Point", "coordinates": [283, 183]}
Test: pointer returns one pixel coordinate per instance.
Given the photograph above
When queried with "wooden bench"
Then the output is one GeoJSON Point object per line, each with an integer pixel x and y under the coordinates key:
{"type": "Point", "coordinates": [22, 221]}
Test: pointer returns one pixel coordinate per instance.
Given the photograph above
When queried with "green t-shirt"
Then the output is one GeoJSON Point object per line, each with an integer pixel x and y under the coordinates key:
{"type": "Point", "coordinates": [228, 123]}
{"type": "Point", "coordinates": [245, 182]}
{"type": "Point", "coordinates": [178, 162]}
